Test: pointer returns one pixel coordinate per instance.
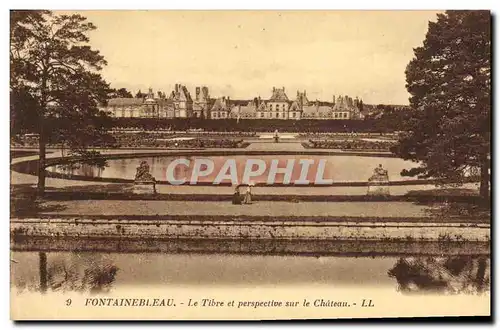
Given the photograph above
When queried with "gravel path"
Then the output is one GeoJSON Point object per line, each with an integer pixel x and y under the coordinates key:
{"type": "Point", "coordinates": [259, 208]}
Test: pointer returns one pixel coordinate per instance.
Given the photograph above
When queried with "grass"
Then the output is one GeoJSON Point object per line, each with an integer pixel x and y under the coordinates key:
{"type": "Point", "coordinates": [22, 153]}
{"type": "Point", "coordinates": [24, 202]}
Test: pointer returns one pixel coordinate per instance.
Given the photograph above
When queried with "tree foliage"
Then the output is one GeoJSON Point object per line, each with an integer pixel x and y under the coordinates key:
{"type": "Point", "coordinates": [449, 131]}
{"type": "Point", "coordinates": [55, 79]}
{"type": "Point", "coordinates": [121, 92]}
{"type": "Point", "coordinates": [140, 95]}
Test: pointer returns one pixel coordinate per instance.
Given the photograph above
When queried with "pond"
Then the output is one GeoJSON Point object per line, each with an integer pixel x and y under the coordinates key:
{"type": "Point", "coordinates": [339, 168]}
{"type": "Point", "coordinates": [102, 272]}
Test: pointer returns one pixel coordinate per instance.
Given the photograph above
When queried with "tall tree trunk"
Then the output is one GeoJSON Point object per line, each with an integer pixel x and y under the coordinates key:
{"type": "Point", "coordinates": [41, 139]}
{"type": "Point", "coordinates": [41, 160]}
{"type": "Point", "coordinates": [484, 188]}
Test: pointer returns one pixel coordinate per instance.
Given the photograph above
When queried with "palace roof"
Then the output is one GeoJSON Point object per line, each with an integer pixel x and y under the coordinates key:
{"type": "Point", "coordinates": [278, 95]}
{"type": "Point", "coordinates": [125, 101]}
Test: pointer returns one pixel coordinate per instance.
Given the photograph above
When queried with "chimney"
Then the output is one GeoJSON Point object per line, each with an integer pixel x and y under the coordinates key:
{"type": "Point", "coordinates": [333, 99]}
{"type": "Point", "coordinates": [274, 89]}
{"type": "Point", "coordinates": [283, 89]}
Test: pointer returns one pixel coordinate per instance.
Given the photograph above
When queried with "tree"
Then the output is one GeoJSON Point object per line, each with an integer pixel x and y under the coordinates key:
{"type": "Point", "coordinates": [140, 95]}
{"type": "Point", "coordinates": [449, 131]}
{"type": "Point", "coordinates": [122, 92]}
{"type": "Point", "coordinates": [55, 82]}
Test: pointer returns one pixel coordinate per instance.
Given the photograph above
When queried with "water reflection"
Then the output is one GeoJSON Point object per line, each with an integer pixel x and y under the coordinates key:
{"type": "Point", "coordinates": [339, 168]}
{"type": "Point", "coordinates": [450, 275]}
{"type": "Point", "coordinates": [94, 171]}
{"type": "Point", "coordinates": [93, 272]}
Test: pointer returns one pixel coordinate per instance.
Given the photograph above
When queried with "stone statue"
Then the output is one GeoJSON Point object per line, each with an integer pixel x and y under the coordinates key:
{"type": "Point", "coordinates": [142, 174]}
{"type": "Point", "coordinates": [144, 182]}
{"type": "Point", "coordinates": [379, 174]}
{"type": "Point", "coordinates": [378, 183]}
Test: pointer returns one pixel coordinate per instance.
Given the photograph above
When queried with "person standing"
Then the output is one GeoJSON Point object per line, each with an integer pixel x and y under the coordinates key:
{"type": "Point", "coordinates": [237, 196]}
{"type": "Point", "coordinates": [248, 195]}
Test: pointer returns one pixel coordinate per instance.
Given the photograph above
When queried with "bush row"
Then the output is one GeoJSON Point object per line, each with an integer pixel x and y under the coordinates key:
{"type": "Point", "coordinates": [324, 135]}
{"type": "Point", "coordinates": [199, 143]}
{"type": "Point", "coordinates": [150, 140]}
{"type": "Point", "coordinates": [351, 145]}
{"type": "Point", "coordinates": [153, 141]}
{"type": "Point", "coordinates": [170, 133]}
{"type": "Point", "coordinates": [251, 125]}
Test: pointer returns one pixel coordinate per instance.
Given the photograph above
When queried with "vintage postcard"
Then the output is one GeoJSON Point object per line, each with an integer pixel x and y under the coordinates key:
{"type": "Point", "coordinates": [249, 165]}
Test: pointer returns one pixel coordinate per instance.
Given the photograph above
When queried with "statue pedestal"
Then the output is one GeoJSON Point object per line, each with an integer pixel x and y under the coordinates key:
{"type": "Point", "coordinates": [378, 186]}
{"type": "Point", "coordinates": [144, 188]}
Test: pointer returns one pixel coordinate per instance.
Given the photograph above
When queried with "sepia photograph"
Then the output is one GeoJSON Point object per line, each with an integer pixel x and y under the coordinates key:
{"type": "Point", "coordinates": [250, 164]}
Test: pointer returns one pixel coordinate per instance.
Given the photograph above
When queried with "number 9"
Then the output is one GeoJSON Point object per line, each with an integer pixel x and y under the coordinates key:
{"type": "Point", "coordinates": [68, 302]}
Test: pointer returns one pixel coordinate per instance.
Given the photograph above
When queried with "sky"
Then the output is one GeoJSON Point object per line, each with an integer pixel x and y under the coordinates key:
{"type": "Point", "coordinates": [243, 54]}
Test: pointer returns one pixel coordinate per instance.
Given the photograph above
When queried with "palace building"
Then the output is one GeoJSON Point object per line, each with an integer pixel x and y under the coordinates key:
{"type": "Point", "coordinates": [147, 107]}
{"type": "Point", "coordinates": [179, 104]}
{"type": "Point", "coordinates": [279, 106]}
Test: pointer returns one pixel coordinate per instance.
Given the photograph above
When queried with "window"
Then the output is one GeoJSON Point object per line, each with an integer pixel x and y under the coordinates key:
{"type": "Point", "coordinates": [261, 115]}
{"type": "Point", "coordinates": [293, 114]}
{"type": "Point", "coordinates": [336, 115]}
{"type": "Point", "coordinates": [277, 115]}
{"type": "Point", "coordinates": [345, 114]}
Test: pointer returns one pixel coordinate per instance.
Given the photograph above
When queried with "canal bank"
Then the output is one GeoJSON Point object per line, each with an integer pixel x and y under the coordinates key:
{"type": "Point", "coordinates": [246, 228]}
{"type": "Point", "coordinates": [348, 248]}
